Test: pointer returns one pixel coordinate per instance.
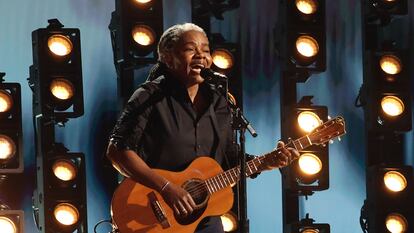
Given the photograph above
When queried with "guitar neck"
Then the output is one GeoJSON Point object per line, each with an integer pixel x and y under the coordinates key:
{"type": "Point", "coordinates": [258, 164]}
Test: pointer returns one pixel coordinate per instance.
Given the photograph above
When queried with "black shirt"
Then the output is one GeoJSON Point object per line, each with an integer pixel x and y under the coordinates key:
{"type": "Point", "coordinates": [161, 125]}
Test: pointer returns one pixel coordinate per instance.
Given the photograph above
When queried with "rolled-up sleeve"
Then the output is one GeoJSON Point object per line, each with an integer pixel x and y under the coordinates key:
{"type": "Point", "coordinates": [130, 125]}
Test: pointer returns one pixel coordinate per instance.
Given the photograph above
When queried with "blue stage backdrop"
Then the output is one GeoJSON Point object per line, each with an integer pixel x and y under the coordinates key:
{"type": "Point", "coordinates": [252, 24]}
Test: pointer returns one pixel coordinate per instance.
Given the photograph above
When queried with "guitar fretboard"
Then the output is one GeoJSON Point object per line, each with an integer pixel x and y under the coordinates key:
{"type": "Point", "coordinates": [258, 164]}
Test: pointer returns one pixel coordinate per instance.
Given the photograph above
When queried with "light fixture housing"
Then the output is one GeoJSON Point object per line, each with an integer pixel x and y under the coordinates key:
{"type": "Point", "coordinates": [11, 128]}
{"type": "Point", "coordinates": [392, 83]}
{"type": "Point", "coordinates": [49, 69]}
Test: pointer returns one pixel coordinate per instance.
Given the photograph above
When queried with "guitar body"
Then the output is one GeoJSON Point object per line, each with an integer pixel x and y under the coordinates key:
{"type": "Point", "coordinates": [133, 204]}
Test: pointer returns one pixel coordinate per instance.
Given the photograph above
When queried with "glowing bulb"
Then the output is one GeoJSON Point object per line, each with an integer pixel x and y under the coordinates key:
{"type": "Point", "coordinates": [229, 221]}
{"type": "Point", "coordinates": [310, 164]}
{"type": "Point", "coordinates": [60, 45]}
{"type": "Point", "coordinates": [62, 89]}
{"type": "Point", "coordinates": [390, 64]}
{"type": "Point", "coordinates": [7, 148]}
{"type": "Point", "coordinates": [143, 1]}
{"type": "Point", "coordinates": [7, 225]}
{"type": "Point", "coordinates": [308, 121]}
{"type": "Point", "coordinates": [66, 214]}
{"type": "Point", "coordinates": [307, 6]}
{"type": "Point", "coordinates": [143, 35]}
{"type": "Point", "coordinates": [307, 46]}
{"type": "Point", "coordinates": [392, 105]}
{"type": "Point", "coordinates": [6, 101]}
{"type": "Point", "coordinates": [308, 230]}
{"type": "Point", "coordinates": [396, 223]}
{"type": "Point", "coordinates": [64, 170]}
{"type": "Point", "coordinates": [395, 181]}
{"type": "Point", "coordinates": [223, 59]}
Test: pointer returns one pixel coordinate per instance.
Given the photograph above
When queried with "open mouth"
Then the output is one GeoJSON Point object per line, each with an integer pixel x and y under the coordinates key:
{"type": "Point", "coordinates": [197, 67]}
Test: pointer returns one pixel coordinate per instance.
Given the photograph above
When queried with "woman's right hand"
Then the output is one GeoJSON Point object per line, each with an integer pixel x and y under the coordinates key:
{"type": "Point", "coordinates": [178, 199]}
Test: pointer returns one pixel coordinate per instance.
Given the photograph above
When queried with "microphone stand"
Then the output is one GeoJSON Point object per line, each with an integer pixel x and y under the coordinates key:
{"type": "Point", "coordinates": [239, 124]}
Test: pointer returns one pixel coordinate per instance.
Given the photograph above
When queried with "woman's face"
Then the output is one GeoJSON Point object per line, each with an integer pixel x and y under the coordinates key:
{"type": "Point", "coordinates": [191, 54]}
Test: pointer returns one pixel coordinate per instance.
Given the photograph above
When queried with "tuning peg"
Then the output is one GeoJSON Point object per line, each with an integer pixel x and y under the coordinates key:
{"type": "Point", "coordinates": [339, 139]}
{"type": "Point", "coordinates": [329, 117]}
{"type": "Point", "coordinates": [331, 141]}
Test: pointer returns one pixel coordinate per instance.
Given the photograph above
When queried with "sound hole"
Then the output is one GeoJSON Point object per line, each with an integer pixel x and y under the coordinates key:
{"type": "Point", "coordinates": [198, 191]}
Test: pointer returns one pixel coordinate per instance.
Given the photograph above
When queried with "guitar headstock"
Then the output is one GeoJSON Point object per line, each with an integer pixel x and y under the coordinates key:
{"type": "Point", "coordinates": [327, 131]}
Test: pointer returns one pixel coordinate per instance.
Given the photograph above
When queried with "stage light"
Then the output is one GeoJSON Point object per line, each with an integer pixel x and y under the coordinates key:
{"type": "Point", "coordinates": [7, 225]}
{"type": "Point", "coordinates": [11, 155]}
{"type": "Point", "coordinates": [307, 225]}
{"type": "Point", "coordinates": [389, 204]}
{"type": "Point", "coordinates": [7, 149]}
{"type": "Point", "coordinates": [62, 89]}
{"type": "Point", "coordinates": [396, 223]}
{"type": "Point", "coordinates": [6, 101]}
{"type": "Point", "coordinates": [223, 59]}
{"type": "Point", "coordinates": [390, 64]}
{"type": "Point", "coordinates": [61, 199]}
{"type": "Point", "coordinates": [60, 45]}
{"type": "Point", "coordinates": [11, 221]}
{"type": "Point", "coordinates": [308, 121]}
{"type": "Point", "coordinates": [302, 44]}
{"type": "Point", "coordinates": [392, 106]}
{"type": "Point", "coordinates": [310, 164]}
{"type": "Point", "coordinates": [64, 170]}
{"type": "Point", "coordinates": [307, 46]}
{"type": "Point", "coordinates": [66, 214]}
{"type": "Point", "coordinates": [136, 27]}
{"type": "Point", "coordinates": [226, 60]}
{"type": "Point", "coordinates": [143, 35]}
{"type": "Point", "coordinates": [307, 6]}
{"type": "Point", "coordinates": [229, 221]}
{"type": "Point", "coordinates": [311, 171]}
{"type": "Point", "coordinates": [56, 73]}
{"type": "Point", "coordinates": [143, 1]}
{"type": "Point", "coordinates": [386, 92]}
{"type": "Point", "coordinates": [395, 181]}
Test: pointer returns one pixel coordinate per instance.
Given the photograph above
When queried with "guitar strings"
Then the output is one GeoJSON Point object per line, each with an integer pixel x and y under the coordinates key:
{"type": "Point", "coordinates": [201, 188]}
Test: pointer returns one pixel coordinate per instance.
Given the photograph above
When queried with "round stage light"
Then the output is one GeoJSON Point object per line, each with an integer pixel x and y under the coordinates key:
{"type": "Point", "coordinates": [395, 181]}
{"type": "Point", "coordinates": [307, 6]}
{"type": "Point", "coordinates": [396, 223]}
{"type": "Point", "coordinates": [59, 45]}
{"type": "Point", "coordinates": [223, 59]}
{"type": "Point", "coordinates": [143, 1]}
{"type": "Point", "coordinates": [307, 46]}
{"type": "Point", "coordinates": [143, 35]}
{"type": "Point", "coordinates": [310, 164]}
{"type": "Point", "coordinates": [7, 149]}
{"type": "Point", "coordinates": [7, 225]}
{"type": "Point", "coordinates": [6, 101]}
{"type": "Point", "coordinates": [66, 214]}
{"type": "Point", "coordinates": [62, 89]}
{"type": "Point", "coordinates": [390, 64]}
{"type": "Point", "coordinates": [229, 221]}
{"type": "Point", "coordinates": [392, 105]}
{"type": "Point", "coordinates": [64, 170]}
{"type": "Point", "coordinates": [308, 121]}
{"type": "Point", "coordinates": [309, 230]}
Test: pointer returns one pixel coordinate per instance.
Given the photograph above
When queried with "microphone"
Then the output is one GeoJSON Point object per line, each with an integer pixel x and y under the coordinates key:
{"type": "Point", "coordinates": [210, 75]}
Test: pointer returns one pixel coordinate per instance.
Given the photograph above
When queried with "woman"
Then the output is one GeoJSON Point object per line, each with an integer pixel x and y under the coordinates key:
{"type": "Point", "coordinates": [175, 118]}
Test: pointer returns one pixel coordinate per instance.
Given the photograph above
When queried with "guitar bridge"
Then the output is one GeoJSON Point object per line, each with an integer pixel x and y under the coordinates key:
{"type": "Point", "coordinates": [158, 210]}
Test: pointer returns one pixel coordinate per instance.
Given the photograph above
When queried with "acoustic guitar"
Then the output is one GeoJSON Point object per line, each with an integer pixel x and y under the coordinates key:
{"type": "Point", "coordinates": [138, 209]}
